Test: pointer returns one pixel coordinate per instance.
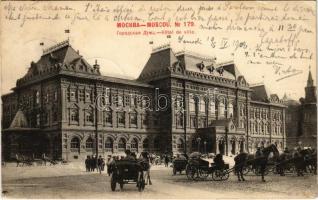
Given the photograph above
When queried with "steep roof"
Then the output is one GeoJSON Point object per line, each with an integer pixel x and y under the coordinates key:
{"type": "Point", "coordinates": [260, 93]}
{"type": "Point", "coordinates": [19, 121]}
{"type": "Point", "coordinates": [230, 67]}
{"type": "Point", "coordinates": [310, 81]}
{"type": "Point", "coordinates": [163, 60]}
{"type": "Point", "coordinates": [159, 62]}
{"type": "Point", "coordinates": [60, 57]}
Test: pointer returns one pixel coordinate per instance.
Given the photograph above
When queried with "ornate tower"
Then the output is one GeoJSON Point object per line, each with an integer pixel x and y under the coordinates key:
{"type": "Point", "coordinates": [310, 90]}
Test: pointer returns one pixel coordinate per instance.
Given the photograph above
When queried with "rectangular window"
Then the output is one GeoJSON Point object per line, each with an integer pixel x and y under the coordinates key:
{"type": "Point", "coordinates": [192, 104]}
{"type": "Point", "coordinates": [81, 95]}
{"type": "Point", "coordinates": [89, 117]}
{"type": "Point", "coordinates": [74, 115]}
{"type": "Point", "coordinates": [133, 119]}
{"type": "Point", "coordinates": [193, 122]}
{"type": "Point", "coordinates": [202, 105]}
{"type": "Point", "coordinates": [121, 118]}
{"type": "Point", "coordinates": [144, 120]}
{"type": "Point", "coordinates": [108, 118]}
{"type": "Point", "coordinates": [72, 95]}
{"type": "Point", "coordinates": [88, 96]}
{"type": "Point", "coordinates": [179, 120]}
{"type": "Point", "coordinates": [38, 120]}
{"type": "Point", "coordinates": [55, 95]}
{"type": "Point", "coordinates": [127, 100]}
{"type": "Point", "coordinates": [132, 101]}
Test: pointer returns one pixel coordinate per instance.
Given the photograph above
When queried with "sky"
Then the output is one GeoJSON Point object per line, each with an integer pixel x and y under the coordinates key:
{"type": "Point", "coordinates": [125, 56]}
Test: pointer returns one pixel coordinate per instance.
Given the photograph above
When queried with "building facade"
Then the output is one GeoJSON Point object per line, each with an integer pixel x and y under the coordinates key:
{"type": "Point", "coordinates": [301, 118]}
{"type": "Point", "coordinates": [65, 108]}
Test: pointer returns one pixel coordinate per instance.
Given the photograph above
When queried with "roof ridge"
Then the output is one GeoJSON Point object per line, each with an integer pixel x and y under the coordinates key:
{"type": "Point", "coordinates": [56, 47]}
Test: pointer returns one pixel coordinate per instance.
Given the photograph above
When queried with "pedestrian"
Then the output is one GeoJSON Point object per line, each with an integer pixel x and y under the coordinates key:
{"type": "Point", "coordinates": [166, 158]}
{"type": "Point", "coordinates": [103, 164]}
{"type": "Point", "coordinates": [94, 163]}
{"type": "Point", "coordinates": [99, 164]}
{"type": "Point", "coordinates": [44, 158]}
{"type": "Point", "coordinates": [17, 159]}
{"type": "Point", "coordinates": [87, 162]}
{"type": "Point", "coordinates": [108, 164]}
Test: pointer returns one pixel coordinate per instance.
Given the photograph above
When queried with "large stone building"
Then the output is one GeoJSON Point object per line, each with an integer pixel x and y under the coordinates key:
{"type": "Point", "coordinates": [180, 102]}
{"type": "Point", "coordinates": [301, 118]}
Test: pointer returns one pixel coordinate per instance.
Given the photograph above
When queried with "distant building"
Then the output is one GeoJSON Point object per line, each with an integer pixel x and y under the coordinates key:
{"type": "Point", "coordinates": [192, 104]}
{"type": "Point", "coordinates": [301, 118]}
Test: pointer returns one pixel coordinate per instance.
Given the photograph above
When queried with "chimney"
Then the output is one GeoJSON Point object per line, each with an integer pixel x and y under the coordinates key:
{"type": "Point", "coordinates": [96, 66]}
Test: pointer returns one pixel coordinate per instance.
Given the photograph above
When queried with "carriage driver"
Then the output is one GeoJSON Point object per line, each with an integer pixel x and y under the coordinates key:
{"type": "Point", "coordinates": [218, 161]}
{"type": "Point", "coordinates": [129, 156]}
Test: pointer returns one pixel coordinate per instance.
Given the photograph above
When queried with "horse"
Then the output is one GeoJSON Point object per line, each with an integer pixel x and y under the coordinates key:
{"type": "Point", "coordinates": [145, 163]}
{"type": "Point", "coordinates": [261, 161]}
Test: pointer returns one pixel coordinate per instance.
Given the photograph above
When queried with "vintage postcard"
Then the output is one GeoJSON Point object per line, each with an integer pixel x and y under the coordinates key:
{"type": "Point", "coordinates": [158, 100]}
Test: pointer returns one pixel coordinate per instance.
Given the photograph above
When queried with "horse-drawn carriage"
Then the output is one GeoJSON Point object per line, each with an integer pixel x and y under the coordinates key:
{"type": "Point", "coordinates": [179, 165]}
{"type": "Point", "coordinates": [126, 172]}
{"type": "Point", "coordinates": [198, 168]}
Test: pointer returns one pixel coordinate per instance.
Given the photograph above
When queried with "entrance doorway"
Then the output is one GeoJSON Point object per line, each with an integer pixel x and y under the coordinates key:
{"type": "Point", "coordinates": [221, 147]}
{"type": "Point", "coordinates": [241, 146]}
{"type": "Point", "coordinates": [233, 151]}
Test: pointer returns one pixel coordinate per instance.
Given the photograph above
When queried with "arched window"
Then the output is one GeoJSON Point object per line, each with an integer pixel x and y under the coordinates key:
{"type": "Point", "coordinates": [74, 115]}
{"type": "Point", "coordinates": [75, 143]}
{"type": "Point", "coordinates": [202, 105]}
{"type": "Point", "coordinates": [180, 144]}
{"type": "Point", "coordinates": [221, 110]}
{"type": "Point", "coordinates": [121, 144]}
{"type": "Point", "coordinates": [89, 143]}
{"type": "Point", "coordinates": [134, 145]}
{"type": "Point", "coordinates": [145, 144]}
{"type": "Point", "coordinates": [89, 117]}
{"type": "Point", "coordinates": [156, 143]}
{"type": "Point", "coordinates": [192, 104]}
{"type": "Point", "coordinates": [212, 107]}
{"type": "Point", "coordinates": [256, 127]}
{"type": "Point", "coordinates": [109, 144]}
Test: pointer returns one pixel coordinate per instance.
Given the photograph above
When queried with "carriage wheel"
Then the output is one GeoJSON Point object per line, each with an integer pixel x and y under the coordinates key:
{"type": "Point", "coordinates": [217, 175]}
{"type": "Point", "coordinates": [203, 173]}
{"type": "Point", "coordinates": [191, 171]}
{"type": "Point", "coordinates": [113, 182]}
{"type": "Point", "coordinates": [174, 171]}
{"type": "Point", "coordinates": [225, 175]}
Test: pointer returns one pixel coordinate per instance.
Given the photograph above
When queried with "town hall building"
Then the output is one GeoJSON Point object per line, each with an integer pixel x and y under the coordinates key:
{"type": "Point", "coordinates": [181, 102]}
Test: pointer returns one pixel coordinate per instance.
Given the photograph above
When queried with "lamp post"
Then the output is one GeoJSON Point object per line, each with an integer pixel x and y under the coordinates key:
{"type": "Point", "coordinates": [204, 147]}
{"type": "Point", "coordinates": [96, 124]}
{"type": "Point", "coordinates": [198, 141]}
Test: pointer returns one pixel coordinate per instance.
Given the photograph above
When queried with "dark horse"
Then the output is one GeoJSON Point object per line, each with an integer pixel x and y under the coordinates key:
{"type": "Point", "coordinates": [259, 162]}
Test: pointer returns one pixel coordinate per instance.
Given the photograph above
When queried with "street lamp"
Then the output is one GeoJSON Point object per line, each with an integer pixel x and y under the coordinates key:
{"type": "Point", "coordinates": [198, 141]}
{"type": "Point", "coordinates": [204, 147]}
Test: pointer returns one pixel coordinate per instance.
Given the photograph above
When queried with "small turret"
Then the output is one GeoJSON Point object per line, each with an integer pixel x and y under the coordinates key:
{"type": "Point", "coordinates": [96, 66]}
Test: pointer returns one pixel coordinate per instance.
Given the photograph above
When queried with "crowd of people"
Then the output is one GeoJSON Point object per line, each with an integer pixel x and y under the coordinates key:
{"type": "Point", "coordinates": [92, 163]}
